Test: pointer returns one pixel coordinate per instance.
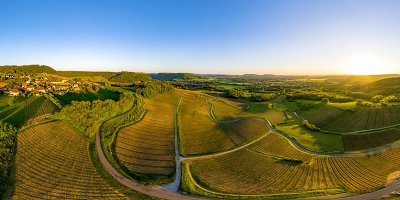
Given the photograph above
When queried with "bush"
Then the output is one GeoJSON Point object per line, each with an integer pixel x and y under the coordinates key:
{"type": "Point", "coordinates": [364, 103]}
{"type": "Point", "coordinates": [325, 100]}
{"type": "Point", "coordinates": [377, 98]}
{"type": "Point", "coordinates": [310, 126]}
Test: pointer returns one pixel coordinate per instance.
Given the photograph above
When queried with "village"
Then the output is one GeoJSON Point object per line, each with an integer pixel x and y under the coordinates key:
{"type": "Point", "coordinates": [36, 85]}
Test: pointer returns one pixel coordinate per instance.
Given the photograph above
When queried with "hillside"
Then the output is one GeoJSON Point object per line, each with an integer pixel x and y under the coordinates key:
{"type": "Point", "coordinates": [172, 76]}
{"type": "Point", "coordinates": [26, 69]}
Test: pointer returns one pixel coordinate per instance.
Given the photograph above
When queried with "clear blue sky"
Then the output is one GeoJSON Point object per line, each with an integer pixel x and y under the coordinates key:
{"type": "Point", "coordinates": [203, 36]}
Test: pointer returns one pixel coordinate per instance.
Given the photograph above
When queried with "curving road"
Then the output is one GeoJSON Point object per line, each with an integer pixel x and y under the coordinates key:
{"type": "Point", "coordinates": [170, 191]}
{"type": "Point", "coordinates": [154, 191]}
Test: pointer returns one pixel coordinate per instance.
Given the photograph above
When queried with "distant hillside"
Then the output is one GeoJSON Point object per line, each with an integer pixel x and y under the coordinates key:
{"type": "Point", "coordinates": [385, 86]}
{"type": "Point", "coordinates": [387, 82]}
{"type": "Point", "coordinates": [172, 76]}
{"type": "Point", "coordinates": [362, 78]}
{"type": "Point", "coordinates": [130, 77]}
{"type": "Point", "coordinates": [26, 69]}
{"type": "Point", "coordinates": [106, 75]}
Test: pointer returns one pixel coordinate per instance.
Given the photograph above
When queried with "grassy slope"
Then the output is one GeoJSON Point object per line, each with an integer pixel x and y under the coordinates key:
{"type": "Point", "coordinates": [309, 139]}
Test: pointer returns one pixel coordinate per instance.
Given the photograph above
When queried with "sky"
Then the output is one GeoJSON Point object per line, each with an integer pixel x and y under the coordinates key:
{"type": "Point", "coordinates": [204, 36]}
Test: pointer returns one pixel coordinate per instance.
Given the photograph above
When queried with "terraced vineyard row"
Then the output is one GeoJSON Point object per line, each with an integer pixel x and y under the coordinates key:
{"type": "Point", "coordinates": [147, 147]}
{"type": "Point", "coordinates": [272, 166]}
{"type": "Point", "coordinates": [30, 108]}
{"type": "Point", "coordinates": [53, 162]}
{"type": "Point", "coordinates": [366, 118]}
{"type": "Point", "coordinates": [370, 140]}
{"type": "Point", "coordinates": [198, 134]}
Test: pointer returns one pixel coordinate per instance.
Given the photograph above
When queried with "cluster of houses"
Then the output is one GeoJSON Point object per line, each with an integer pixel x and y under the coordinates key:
{"type": "Point", "coordinates": [40, 86]}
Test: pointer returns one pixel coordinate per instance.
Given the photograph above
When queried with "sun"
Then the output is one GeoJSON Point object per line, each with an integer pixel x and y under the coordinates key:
{"type": "Point", "coordinates": [365, 64]}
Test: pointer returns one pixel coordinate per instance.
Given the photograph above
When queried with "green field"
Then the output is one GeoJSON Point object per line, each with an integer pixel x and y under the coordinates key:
{"type": "Point", "coordinates": [310, 139]}
{"type": "Point", "coordinates": [25, 108]}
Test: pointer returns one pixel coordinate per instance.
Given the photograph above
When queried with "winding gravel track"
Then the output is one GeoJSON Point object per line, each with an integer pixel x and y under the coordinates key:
{"type": "Point", "coordinates": [170, 191]}
{"type": "Point", "coordinates": [154, 191]}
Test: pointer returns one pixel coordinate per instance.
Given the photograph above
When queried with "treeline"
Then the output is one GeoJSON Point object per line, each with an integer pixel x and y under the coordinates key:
{"type": "Point", "coordinates": [106, 75]}
{"type": "Point", "coordinates": [87, 115]}
{"type": "Point", "coordinates": [255, 97]}
{"type": "Point", "coordinates": [8, 141]}
{"type": "Point", "coordinates": [130, 77]}
{"type": "Point", "coordinates": [172, 76]}
{"type": "Point", "coordinates": [151, 89]}
{"type": "Point", "coordinates": [263, 97]}
{"type": "Point", "coordinates": [26, 69]}
{"type": "Point", "coordinates": [318, 96]}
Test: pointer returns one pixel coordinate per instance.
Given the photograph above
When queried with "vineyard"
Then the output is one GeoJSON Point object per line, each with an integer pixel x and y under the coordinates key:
{"type": "Point", "coordinates": [198, 133]}
{"type": "Point", "coordinates": [273, 167]}
{"type": "Point", "coordinates": [147, 147]}
{"type": "Point", "coordinates": [370, 140]}
{"type": "Point", "coordinates": [53, 162]}
{"type": "Point", "coordinates": [27, 108]}
{"type": "Point", "coordinates": [228, 110]}
{"type": "Point", "coordinates": [317, 141]}
{"type": "Point", "coordinates": [361, 119]}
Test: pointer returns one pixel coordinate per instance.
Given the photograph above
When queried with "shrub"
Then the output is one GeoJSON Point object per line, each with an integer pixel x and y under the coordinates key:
{"type": "Point", "coordinates": [310, 126]}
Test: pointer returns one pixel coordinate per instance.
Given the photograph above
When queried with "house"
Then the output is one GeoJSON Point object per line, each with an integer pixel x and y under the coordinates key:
{"type": "Point", "coordinates": [41, 89]}
{"type": "Point", "coordinates": [60, 87]}
{"type": "Point", "coordinates": [14, 92]}
{"type": "Point", "coordinates": [30, 88]}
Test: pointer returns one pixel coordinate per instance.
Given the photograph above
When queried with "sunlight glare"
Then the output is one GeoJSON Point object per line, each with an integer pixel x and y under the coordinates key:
{"type": "Point", "coordinates": [365, 65]}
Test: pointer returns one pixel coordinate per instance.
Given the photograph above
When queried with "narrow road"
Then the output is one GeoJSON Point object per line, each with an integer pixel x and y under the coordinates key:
{"type": "Point", "coordinates": [174, 186]}
{"type": "Point", "coordinates": [155, 191]}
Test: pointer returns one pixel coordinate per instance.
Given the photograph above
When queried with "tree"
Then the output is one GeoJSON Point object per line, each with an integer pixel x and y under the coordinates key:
{"type": "Point", "coordinates": [236, 93]}
{"type": "Point", "coordinates": [325, 100]}
{"type": "Point", "coordinates": [8, 141]}
{"type": "Point", "coordinates": [376, 98]}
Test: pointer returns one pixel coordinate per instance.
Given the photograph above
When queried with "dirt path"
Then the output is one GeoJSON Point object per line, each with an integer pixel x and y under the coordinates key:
{"type": "Point", "coordinates": [155, 191]}
{"type": "Point", "coordinates": [174, 186]}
